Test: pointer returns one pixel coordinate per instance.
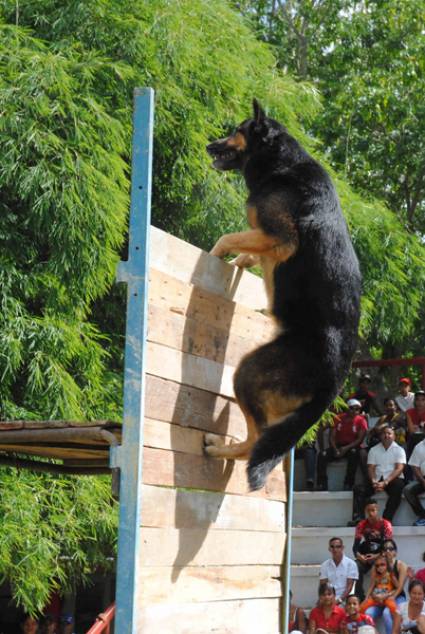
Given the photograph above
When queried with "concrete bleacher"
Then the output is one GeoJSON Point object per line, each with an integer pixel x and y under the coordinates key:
{"type": "Point", "coordinates": [318, 516]}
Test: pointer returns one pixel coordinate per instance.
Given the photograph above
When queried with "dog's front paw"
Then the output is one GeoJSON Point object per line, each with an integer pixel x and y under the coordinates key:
{"type": "Point", "coordinates": [245, 260]}
{"type": "Point", "coordinates": [219, 250]}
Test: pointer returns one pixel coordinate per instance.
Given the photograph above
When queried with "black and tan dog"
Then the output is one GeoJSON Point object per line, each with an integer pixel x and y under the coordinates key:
{"type": "Point", "coordinates": [299, 236]}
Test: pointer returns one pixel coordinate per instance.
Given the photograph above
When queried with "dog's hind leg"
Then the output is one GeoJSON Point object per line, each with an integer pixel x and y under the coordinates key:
{"type": "Point", "coordinates": [234, 451]}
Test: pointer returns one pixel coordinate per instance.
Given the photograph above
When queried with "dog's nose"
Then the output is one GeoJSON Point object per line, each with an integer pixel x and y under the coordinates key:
{"type": "Point", "coordinates": [210, 147]}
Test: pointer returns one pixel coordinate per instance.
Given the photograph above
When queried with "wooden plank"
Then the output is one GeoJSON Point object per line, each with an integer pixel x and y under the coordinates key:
{"type": "Point", "coordinates": [198, 338]}
{"type": "Point", "coordinates": [169, 401]}
{"type": "Point", "coordinates": [164, 507]}
{"type": "Point", "coordinates": [74, 435]}
{"type": "Point", "coordinates": [199, 584]}
{"type": "Point", "coordinates": [167, 468]}
{"type": "Point", "coordinates": [173, 437]}
{"type": "Point", "coordinates": [193, 266]}
{"type": "Point", "coordinates": [171, 295]}
{"type": "Point", "coordinates": [188, 369]}
{"type": "Point", "coordinates": [57, 452]}
{"type": "Point", "coordinates": [224, 617]}
{"type": "Point", "coordinates": [202, 547]}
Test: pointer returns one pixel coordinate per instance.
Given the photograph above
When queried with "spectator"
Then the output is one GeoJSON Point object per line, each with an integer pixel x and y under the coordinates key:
{"type": "Point", "coordinates": [49, 625]}
{"type": "Point", "coordinates": [385, 470]}
{"type": "Point", "coordinates": [397, 567]}
{"type": "Point", "coordinates": [346, 437]}
{"type": "Point", "coordinates": [416, 422]}
{"type": "Point", "coordinates": [339, 571]}
{"type": "Point", "coordinates": [354, 617]}
{"type": "Point", "coordinates": [370, 535]}
{"type": "Point", "coordinates": [308, 453]}
{"type": "Point", "coordinates": [366, 398]}
{"type": "Point", "coordinates": [394, 419]}
{"type": "Point", "coordinates": [327, 615]}
{"type": "Point", "coordinates": [405, 397]}
{"type": "Point", "coordinates": [413, 490]}
{"type": "Point", "coordinates": [381, 593]}
{"type": "Point", "coordinates": [29, 624]}
{"type": "Point", "coordinates": [297, 618]}
{"type": "Point", "coordinates": [420, 574]}
{"type": "Point", "coordinates": [410, 616]}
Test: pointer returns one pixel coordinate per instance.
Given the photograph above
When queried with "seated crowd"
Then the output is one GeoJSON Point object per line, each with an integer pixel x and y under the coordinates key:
{"type": "Point", "coordinates": [390, 454]}
{"type": "Point", "coordinates": [343, 606]}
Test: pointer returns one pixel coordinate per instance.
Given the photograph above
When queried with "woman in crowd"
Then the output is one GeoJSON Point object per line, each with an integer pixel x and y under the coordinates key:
{"type": "Point", "coordinates": [328, 615]}
{"type": "Point", "coordinates": [410, 616]}
{"type": "Point", "coordinates": [380, 595]}
{"type": "Point", "coordinates": [392, 418]}
{"type": "Point", "coordinates": [397, 567]}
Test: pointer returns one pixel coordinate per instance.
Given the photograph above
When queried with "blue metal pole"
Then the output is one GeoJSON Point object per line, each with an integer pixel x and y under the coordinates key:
{"type": "Point", "coordinates": [289, 514]}
{"type": "Point", "coordinates": [128, 457]}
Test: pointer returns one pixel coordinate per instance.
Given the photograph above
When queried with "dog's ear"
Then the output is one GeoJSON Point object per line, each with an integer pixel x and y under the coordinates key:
{"type": "Point", "coordinates": [259, 114]}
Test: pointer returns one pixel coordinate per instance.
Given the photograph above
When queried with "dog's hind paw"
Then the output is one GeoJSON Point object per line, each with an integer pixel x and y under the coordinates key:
{"type": "Point", "coordinates": [212, 444]}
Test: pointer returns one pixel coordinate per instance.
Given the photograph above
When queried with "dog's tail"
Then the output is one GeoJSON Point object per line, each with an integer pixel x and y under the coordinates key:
{"type": "Point", "coordinates": [276, 440]}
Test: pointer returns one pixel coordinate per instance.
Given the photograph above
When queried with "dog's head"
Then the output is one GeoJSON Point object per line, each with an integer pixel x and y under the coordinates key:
{"type": "Point", "coordinates": [252, 134]}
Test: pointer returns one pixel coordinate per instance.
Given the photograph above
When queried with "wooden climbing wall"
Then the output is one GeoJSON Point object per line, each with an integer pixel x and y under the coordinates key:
{"type": "Point", "coordinates": [210, 552]}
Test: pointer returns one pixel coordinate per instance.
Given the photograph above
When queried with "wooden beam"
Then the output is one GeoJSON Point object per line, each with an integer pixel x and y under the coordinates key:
{"type": "Point", "coordinates": [206, 583]}
{"type": "Point", "coordinates": [177, 508]}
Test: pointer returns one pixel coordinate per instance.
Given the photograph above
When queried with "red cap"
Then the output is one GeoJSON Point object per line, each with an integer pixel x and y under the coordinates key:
{"type": "Point", "coordinates": [406, 380]}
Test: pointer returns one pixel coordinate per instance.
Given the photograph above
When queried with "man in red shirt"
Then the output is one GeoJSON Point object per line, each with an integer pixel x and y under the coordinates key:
{"type": "Point", "coordinates": [346, 438]}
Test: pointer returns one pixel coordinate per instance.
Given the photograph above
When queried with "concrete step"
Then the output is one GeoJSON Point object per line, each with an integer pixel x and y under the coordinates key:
{"type": "Point", "coordinates": [310, 545]}
{"type": "Point", "coordinates": [334, 508]}
{"type": "Point", "coordinates": [304, 584]}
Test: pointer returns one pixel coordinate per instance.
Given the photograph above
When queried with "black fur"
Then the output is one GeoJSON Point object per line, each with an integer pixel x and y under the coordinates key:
{"type": "Point", "coordinates": [316, 291]}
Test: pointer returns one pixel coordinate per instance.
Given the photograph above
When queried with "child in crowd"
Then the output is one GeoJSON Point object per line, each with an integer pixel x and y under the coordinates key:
{"type": "Point", "coordinates": [355, 618]}
{"type": "Point", "coordinates": [382, 586]}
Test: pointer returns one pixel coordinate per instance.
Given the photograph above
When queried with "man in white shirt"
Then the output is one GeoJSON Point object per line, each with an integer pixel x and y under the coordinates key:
{"type": "Point", "coordinates": [414, 489]}
{"type": "Point", "coordinates": [340, 571]}
{"type": "Point", "coordinates": [385, 464]}
{"type": "Point", "coordinates": [405, 398]}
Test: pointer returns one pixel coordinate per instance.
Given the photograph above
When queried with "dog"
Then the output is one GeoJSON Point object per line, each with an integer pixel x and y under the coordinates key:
{"type": "Point", "coordinates": [311, 273]}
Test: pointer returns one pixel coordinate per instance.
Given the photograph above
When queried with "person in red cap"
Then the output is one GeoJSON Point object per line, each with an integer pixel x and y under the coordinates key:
{"type": "Point", "coordinates": [405, 397]}
{"type": "Point", "coordinates": [345, 440]}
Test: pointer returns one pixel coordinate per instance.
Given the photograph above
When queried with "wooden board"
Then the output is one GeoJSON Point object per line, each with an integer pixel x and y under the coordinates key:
{"type": "Point", "coordinates": [172, 296]}
{"type": "Point", "coordinates": [168, 468]}
{"type": "Point", "coordinates": [198, 584]}
{"type": "Point", "coordinates": [57, 452]}
{"type": "Point", "coordinates": [193, 266]}
{"type": "Point", "coordinates": [222, 617]}
{"type": "Point", "coordinates": [162, 435]}
{"type": "Point", "coordinates": [189, 369]}
{"type": "Point", "coordinates": [165, 507]}
{"type": "Point", "coordinates": [188, 406]}
{"type": "Point", "coordinates": [202, 547]}
{"type": "Point", "coordinates": [197, 337]}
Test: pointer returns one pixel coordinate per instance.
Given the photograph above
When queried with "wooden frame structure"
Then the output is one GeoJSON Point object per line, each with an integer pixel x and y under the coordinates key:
{"type": "Point", "coordinates": [197, 552]}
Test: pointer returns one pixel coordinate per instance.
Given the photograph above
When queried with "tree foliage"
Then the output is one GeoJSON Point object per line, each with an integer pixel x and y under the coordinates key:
{"type": "Point", "coordinates": [368, 58]}
{"type": "Point", "coordinates": [68, 70]}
